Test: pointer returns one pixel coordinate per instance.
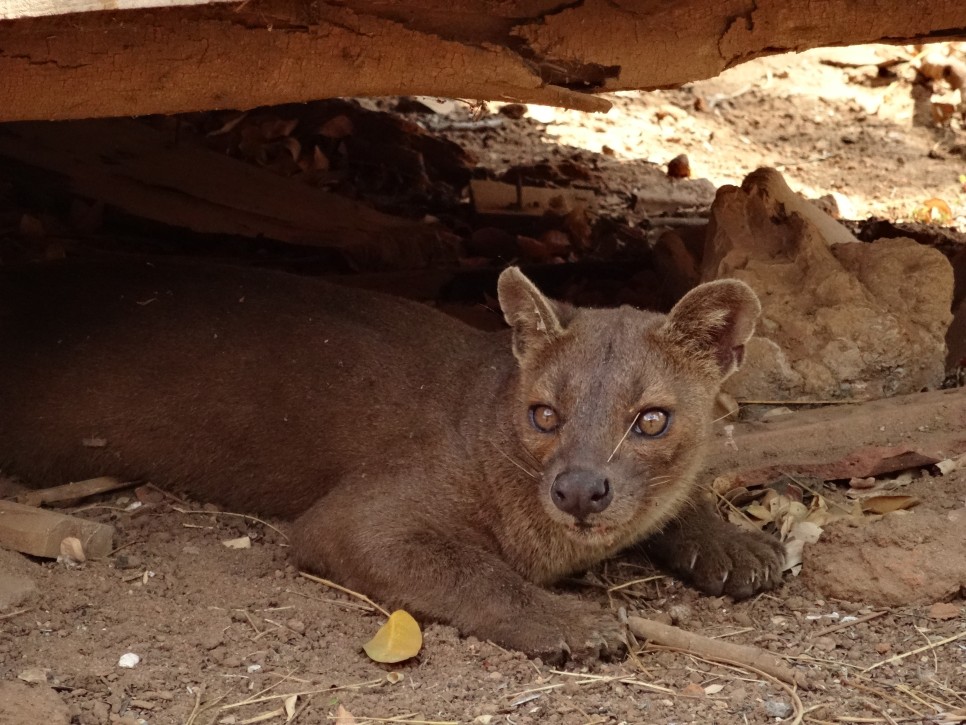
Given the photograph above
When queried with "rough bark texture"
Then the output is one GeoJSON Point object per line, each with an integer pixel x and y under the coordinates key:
{"type": "Point", "coordinates": [545, 51]}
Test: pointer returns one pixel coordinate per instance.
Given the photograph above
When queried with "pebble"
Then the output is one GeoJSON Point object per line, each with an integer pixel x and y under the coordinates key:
{"type": "Point", "coordinates": [778, 708]}
{"type": "Point", "coordinates": [296, 625]}
{"type": "Point", "coordinates": [128, 660]}
{"type": "Point", "coordinates": [679, 613]}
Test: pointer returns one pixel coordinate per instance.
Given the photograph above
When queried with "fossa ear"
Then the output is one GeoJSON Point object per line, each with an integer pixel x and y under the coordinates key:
{"type": "Point", "coordinates": [715, 320]}
{"type": "Point", "coordinates": [533, 317]}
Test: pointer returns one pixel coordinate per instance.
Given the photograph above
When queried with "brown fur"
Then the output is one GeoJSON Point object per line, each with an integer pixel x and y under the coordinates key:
{"type": "Point", "coordinates": [399, 438]}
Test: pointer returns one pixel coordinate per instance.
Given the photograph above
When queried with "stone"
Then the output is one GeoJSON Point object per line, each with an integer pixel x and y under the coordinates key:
{"type": "Point", "coordinates": [840, 318]}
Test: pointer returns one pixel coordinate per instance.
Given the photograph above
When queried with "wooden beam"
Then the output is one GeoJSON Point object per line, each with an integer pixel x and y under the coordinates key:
{"type": "Point", "coordinates": [188, 58]}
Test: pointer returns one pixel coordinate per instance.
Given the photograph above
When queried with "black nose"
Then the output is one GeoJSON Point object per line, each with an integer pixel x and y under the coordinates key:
{"type": "Point", "coordinates": [580, 493]}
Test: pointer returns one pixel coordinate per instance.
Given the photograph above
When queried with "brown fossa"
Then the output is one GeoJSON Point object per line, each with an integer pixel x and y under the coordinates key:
{"type": "Point", "coordinates": [434, 467]}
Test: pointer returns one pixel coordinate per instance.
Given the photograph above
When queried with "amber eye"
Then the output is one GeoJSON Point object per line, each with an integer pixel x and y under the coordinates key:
{"type": "Point", "coordinates": [544, 418]}
{"type": "Point", "coordinates": [652, 423]}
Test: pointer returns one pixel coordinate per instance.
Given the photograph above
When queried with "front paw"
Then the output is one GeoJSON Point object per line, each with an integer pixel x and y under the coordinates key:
{"type": "Point", "coordinates": [736, 562]}
{"type": "Point", "coordinates": [576, 631]}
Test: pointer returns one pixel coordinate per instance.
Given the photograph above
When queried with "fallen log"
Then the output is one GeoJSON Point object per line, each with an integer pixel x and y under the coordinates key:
{"type": "Point", "coordinates": [185, 57]}
{"type": "Point", "coordinates": [844, 441]}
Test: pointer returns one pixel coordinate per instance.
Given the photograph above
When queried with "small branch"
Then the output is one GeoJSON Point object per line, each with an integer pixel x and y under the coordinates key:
{"type": "Point", "coordinates": [925, 648]}
{"type": "Point", "coordinates": [71, 493]}
{"type": "Point", "coordinates": [230, 513]}
{"type": "Point", "coordinates": [716, 649]}
{"type": "Point", "coordinates": [342, 589]}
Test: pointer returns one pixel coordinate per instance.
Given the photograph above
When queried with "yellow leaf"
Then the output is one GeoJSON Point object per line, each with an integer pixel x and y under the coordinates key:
{"type": "Point", "coordinates": [887, 504]}
{"type": "Point", "coordinates": [397, 640]}
{"type": "Point", "coordinates": [933, 209]}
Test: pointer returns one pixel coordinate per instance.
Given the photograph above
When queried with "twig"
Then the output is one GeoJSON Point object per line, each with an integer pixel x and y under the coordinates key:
{"type": "Point", "coordinates": [335, 602]}
{"type": "Point", "coordinates": [72, 492]}
{"type": "Point", "coordinates": [632, 582]}
{"type": "Point", "coordinates": [342, 589]}
{"type": "Point", "coordinates": [799, 708]}
{"type": "Point", "coordinates": [843, 625]}
{"type": "Point", "coordinates": [801, 402]}
{"type": "Point", "coordinates": [231, 513]}
{"type": "Point", "coordinates": [884, 695]}
{"type": "Point", "coordinates": [586, 678]}
{"type": "Point", "coordinates": [366, 718]}
{"type": "Point", "coordinates": [715, 649]}
{"type": "Point", "coordinates": [301, 693]}
{"type": "Point", "coordinates": [924, 648]}
{"type": "Point", "coordinates": [10, 615]}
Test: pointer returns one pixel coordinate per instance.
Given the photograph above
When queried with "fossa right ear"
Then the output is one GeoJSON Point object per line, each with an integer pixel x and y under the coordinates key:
{"type": "Point", "coordinates": [715, 320]}
{"type": "Point", "coordinates": [532, 316]}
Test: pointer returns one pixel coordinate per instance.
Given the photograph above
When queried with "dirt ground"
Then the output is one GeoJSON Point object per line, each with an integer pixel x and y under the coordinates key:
{"type": "Point", "coordinates": [229, 635]}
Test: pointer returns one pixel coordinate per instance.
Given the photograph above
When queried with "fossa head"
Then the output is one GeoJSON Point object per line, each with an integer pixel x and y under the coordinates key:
{"type": "Point", "coordinates": [612, 406]}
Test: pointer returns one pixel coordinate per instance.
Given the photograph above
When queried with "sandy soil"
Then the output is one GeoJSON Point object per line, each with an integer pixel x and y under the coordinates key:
{"type": "Point", "coordinates": [215, 627]}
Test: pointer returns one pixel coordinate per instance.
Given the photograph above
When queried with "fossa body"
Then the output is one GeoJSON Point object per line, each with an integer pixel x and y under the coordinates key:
{"type": "Point", "coordinates": [432, 466]}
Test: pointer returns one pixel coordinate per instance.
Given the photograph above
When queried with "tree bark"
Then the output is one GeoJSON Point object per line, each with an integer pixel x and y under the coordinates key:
{"type": "Point", "coordinates": [187, 58]}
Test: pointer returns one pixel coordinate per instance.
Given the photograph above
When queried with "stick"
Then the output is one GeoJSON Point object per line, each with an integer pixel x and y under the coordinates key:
{"type": "Point", "coordinates": [716, 649]}
{"type": "Point", "coordinates": [71, 493]}
{"type": "Point", "coordinates": [38, 532]}
{"type": "Point", "coordinates": [332, 584]}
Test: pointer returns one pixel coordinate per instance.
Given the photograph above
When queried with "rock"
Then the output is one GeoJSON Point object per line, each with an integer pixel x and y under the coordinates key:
{"type": "Point", "coordinates": [840, 318]}
{"type": "Point", "coordinates": [23, 704]}
{"type": "Point", "coordinates": [778, 708]}
{"type": "Point", "coordinates": [899, 560]}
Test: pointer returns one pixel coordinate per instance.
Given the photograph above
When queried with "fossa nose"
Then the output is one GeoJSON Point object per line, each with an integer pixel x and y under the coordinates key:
{"type": "Point", "coordinates": [580, 492]}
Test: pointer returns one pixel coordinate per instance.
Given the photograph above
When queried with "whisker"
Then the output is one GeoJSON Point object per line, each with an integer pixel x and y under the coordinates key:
{"type": "Point", "coordinates": [623, 438]}
{"type": "Point", "coordinates": [726, 415]}
{"type": "Point", "coordinates": [514, 461]}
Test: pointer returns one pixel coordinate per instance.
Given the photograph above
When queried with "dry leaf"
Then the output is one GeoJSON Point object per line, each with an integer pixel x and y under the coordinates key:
{"type": "Point", "coordinates": [289, 705]}
{"type": "Point", "coordinates": [344, 717]}
{"type": "Point", "coordinates": [933, 209]}
{"type": "Point", "coordinates": [801, 533]}
{"type": "Point", "coordinates": [951, 464]}
{"type": "Point", "coordinates": [759, 512]}
{"type": "Point", "coordinates": [887, 504]}
{"type": "Point", "coordinates": [242, 542]}
{"type": "Point", "coordinates": [713, 689]}
{"type": "Point", "coordinates": [398, 639]}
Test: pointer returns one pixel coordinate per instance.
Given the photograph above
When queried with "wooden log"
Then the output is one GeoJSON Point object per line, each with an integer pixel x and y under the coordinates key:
{"type": "Point", "coordinates": [184, 58]}
{"type": "Point", "coordinates": [134, 168]}
{"type": "Point", "coordinates": [842, 441]}
{"type": "Point", "coordinates": [38, 532]}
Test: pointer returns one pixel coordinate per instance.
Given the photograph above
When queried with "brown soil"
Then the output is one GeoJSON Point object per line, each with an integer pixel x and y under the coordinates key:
{"type": "Point", "coordinates": [213, 626]}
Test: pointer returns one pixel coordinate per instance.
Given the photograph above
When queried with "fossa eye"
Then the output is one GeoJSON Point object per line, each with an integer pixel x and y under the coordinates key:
{"type": "Point", "coordinates": [652, 423]}
{"type": "Point", "coordinates": [544, 418]}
